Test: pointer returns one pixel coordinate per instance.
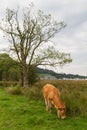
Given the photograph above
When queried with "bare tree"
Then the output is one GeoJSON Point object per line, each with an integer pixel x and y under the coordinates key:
{"type": "Point", "coordinates": [28, 36]}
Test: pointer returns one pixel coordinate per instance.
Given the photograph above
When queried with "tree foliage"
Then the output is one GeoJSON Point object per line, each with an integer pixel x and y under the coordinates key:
{"type": "Point", "coordinates": [9, 69]}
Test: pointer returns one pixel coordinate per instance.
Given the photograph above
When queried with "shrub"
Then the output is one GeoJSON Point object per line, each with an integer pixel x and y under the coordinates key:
{"type": "Point", "coordinates": [14, 90]}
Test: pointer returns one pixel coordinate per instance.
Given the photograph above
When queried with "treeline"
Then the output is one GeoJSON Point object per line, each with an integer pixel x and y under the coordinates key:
{"type": "Point", "coordinates": [60, 75]}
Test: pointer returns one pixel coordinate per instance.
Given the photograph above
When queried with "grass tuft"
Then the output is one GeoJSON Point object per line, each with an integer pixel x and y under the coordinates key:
{"type": "Point", "coordinates": [14, 90]}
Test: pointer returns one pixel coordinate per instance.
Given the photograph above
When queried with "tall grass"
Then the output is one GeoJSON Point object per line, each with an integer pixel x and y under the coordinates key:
{"type": "Point", "coordinates": [73, 93]}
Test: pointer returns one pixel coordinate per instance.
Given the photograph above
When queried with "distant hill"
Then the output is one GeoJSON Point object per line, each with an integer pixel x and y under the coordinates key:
{"type": "Point", "coordinates": [47, 73]}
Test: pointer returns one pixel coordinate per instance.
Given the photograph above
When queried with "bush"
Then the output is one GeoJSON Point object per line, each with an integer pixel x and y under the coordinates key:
{"type": "Point", "coordinates": [14, 90]}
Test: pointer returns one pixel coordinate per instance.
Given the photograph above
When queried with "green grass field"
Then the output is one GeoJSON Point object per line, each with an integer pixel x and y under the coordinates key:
{"type": "Point", "coordinates": [18, 112]}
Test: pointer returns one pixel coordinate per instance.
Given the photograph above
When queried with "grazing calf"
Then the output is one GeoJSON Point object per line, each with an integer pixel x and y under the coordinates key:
{"type": "Point", "coordinates": [52, 98]}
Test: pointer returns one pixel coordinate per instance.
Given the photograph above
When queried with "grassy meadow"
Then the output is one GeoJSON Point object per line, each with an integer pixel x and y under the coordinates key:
{"type": "Point", "coordinates": [24, 109]}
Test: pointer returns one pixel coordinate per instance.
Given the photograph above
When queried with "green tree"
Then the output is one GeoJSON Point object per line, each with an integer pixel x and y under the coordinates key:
{"type": "Point", "coordinates": [28, 36]}
{"type": "Point", "coordinates": [9, 69]}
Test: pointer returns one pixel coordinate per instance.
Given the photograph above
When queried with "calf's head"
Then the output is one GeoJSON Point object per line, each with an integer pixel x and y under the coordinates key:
{"type": "Point", "coordinates": [61, 112]}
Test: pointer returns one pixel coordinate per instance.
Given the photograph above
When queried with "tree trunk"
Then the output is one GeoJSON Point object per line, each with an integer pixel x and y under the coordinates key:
{"type": "Point", "coordinates": [25, 77]}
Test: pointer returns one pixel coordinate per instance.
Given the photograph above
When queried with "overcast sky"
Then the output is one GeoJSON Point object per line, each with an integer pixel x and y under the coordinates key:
{"type": "Point", "coordinates": [72, 39]}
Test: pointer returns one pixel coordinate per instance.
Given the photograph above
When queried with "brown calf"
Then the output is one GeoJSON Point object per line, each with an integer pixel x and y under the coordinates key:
{"type": "Point", "coordinates": [52, 98]}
